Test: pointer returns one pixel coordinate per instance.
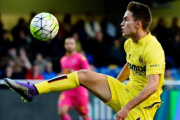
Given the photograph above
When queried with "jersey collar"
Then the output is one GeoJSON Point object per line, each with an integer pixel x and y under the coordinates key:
{"type": "Point", "coordinates": [144, 38]}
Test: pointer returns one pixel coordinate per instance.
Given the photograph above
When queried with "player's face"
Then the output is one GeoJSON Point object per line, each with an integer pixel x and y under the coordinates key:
{"type": "Point", "coordinates": [70, 45]}
{"type": "Point", "coordinates": [128, 24]}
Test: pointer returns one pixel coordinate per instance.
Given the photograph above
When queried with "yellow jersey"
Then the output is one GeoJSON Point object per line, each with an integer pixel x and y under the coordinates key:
{"type": "Point", "coordinates": [144, 58]}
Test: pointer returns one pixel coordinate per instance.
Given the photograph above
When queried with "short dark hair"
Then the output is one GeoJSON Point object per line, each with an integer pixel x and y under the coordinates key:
{"type": "Point", "coordinates": [140, 12]}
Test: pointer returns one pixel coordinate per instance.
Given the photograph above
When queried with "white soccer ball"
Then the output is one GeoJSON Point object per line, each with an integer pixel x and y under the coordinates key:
{"type": "Point", "coordinates": [44, 26]}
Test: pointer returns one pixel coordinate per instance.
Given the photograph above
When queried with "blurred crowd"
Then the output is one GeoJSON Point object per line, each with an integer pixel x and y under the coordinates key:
{"type": "Point", "coordinates": [23, 57]}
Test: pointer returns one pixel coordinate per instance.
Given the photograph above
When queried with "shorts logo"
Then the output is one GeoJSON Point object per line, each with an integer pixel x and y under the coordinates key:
{"type": "Point", "coordinates": [140, 59]}
{"type": "Point", "coordinates": [129, 55]}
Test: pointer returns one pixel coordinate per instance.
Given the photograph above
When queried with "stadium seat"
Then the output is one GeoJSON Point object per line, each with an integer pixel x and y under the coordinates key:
{"type": "Point", "coordinates": [117, 70]}
{"type": "Point", "coordinates": [106, 70]}
{"type": "Point", "coordinates": [175, 73]}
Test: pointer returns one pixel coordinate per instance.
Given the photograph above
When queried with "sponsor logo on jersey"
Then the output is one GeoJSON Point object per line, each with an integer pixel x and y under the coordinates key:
{"type": "Point", "coordinates": [156, 65]}
{"type": "Point", "coordinates": [137, 70]}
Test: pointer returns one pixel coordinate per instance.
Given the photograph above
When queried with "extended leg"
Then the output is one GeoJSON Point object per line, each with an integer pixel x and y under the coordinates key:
{"type": "Point", "coordinates": [95, 82]}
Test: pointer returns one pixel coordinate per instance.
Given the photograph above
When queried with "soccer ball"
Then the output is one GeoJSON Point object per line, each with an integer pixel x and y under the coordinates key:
{"type": "Point", "coordinates": [44, 26]}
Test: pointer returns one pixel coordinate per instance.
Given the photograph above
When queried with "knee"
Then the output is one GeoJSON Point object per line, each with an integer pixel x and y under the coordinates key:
{"type": "Point", "coordinates": [83, 71]}
{"type": "Point", "coordinates": [61, 112]}
{"type": "Point", "coordinates": [82, 74]}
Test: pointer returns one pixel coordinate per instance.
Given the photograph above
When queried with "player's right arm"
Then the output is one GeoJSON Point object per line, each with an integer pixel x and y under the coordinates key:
{"type": "Point", "coordinates": [124, 74]}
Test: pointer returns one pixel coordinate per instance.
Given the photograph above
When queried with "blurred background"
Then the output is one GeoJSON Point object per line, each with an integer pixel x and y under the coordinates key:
{"type": "Point", "coordinates": [103, 46]}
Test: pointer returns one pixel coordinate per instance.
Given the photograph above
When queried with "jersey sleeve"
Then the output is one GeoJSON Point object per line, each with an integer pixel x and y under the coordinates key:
{"type": "Point", "coordinates": [84, 63]}
{"type": "Point", "coordinates": [155, 61]}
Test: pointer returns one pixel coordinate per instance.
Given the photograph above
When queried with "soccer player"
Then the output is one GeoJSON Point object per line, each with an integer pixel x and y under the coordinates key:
{"type": "Point", "coordinates": [140, 98]}
{"type": "Point", "coordinates": [71, 62]}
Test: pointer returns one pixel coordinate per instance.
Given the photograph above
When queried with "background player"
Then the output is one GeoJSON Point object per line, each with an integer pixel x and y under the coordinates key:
{"type": "Point", "coordinates": [140, 98]}
{"type": "Point", "coordinates": [71, 62]}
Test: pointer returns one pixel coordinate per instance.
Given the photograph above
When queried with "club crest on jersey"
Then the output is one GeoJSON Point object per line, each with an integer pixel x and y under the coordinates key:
{"type": "Point", "coordinates": [140, 59]}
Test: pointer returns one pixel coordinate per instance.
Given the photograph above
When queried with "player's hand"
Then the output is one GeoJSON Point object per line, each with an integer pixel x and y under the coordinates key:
{"type": "Point", "coordinates": [122, 114]}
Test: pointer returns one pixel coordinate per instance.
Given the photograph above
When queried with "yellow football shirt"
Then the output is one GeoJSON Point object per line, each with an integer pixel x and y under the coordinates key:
{"type": "Point", "coordinates": [144, 58]}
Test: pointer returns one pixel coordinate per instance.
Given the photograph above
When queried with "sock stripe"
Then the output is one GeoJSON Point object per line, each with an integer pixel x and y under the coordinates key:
{"type": "Point", "coordinates": [61, 77]}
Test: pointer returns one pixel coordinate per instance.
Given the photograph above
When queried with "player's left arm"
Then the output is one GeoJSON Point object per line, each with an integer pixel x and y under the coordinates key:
{"type": "Point", "coordinates": [149, 89]}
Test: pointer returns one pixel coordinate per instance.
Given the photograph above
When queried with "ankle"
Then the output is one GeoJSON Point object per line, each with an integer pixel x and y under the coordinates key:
{"type": "Point", "coordinates": [34, 91]}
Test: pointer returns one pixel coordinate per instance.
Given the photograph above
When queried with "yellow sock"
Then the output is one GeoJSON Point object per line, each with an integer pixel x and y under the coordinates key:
{"type": "Point", "coordinates": [59, 83]}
